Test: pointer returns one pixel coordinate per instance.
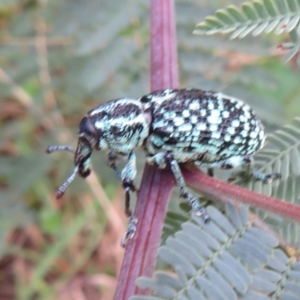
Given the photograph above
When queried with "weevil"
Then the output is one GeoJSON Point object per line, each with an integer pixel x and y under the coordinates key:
{"type": "Point", "coordinates": [172, 126]}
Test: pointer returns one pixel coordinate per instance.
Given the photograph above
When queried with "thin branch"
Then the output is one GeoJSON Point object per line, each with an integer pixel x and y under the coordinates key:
{"type": "Point", "coordinates": [164, 62]}
{"type": "Point", "coordinates": [140, 255]}
{"type": "Point", "coordinates": [225, 192]}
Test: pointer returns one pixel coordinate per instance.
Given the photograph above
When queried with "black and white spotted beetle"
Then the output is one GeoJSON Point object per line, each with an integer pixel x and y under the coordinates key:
{"type": "Point", "coordinates": [172, 126]}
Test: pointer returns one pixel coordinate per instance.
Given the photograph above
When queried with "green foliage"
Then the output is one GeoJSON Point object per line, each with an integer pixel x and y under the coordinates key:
{"type": "Point", "coordinates": [256, 17]}
{"type": "Point", "coordinates": [259, 16]}
{"type": "Point", "coordinates": [229, 258]}
{"type": "Point", "coordinates": [281, 155]}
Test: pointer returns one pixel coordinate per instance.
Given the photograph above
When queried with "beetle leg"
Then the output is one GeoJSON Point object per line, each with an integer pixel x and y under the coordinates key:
{"type": "Point", "coordinates": [161, 159]}
{"type": "Point", "coordinates": [247, 161]}
{"type": "Point", "coordinates": [158, 160]}
{"type": "Point", "coordinates": [127, 176]}
{"type": "Point", "coordinates": [210, 172]}
{"type": "Point", "coordinates": [266, 178]}
{"type": "Point", "coordinates": [131, 228]}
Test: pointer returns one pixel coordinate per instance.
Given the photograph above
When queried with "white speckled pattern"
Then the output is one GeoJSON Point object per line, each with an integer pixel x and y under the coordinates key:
{"type": "Point", "coordinates": [222, 127]}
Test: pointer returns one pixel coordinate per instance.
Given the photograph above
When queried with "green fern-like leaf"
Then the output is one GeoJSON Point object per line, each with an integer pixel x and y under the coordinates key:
{"type": "Point", "coordinates": [229, 258]}
{"type": "Point", "coordinates": [281, 155]}
{"type": "Point", "coordinates": [292, 47]}
{"type": "Point", "coordinates": [259, 16]}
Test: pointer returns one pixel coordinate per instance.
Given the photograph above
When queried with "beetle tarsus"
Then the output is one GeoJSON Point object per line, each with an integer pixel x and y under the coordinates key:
{"type": "Point", "coordinates": [266, 178]}
{"type": "Point", "coordinates": [130, 231]}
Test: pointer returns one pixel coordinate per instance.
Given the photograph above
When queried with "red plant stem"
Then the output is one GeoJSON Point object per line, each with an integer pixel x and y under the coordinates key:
{"type": "Point", "coordinates": [225, 192]}
{"type": "Point", "coordinates": [164, 63]}
{"type": "Point", "coordinates": [152, 201]}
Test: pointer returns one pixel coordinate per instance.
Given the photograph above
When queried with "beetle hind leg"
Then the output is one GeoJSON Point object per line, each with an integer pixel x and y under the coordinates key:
{"type": "Point", "coordinates": [266, 178]}
{"type": "Point", "coordinates": [247, 161]}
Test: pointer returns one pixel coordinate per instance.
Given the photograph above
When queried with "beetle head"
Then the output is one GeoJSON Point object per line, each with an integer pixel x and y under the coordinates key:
{"type": "Point", "coordinates": [86, 143]}
{"type": "Point", "coordinates": [82, 157]}
{"type": "Point", "coordinates": [82, 154]}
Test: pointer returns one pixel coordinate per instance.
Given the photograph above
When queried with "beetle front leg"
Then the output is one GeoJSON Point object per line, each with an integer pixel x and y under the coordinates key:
{"type": "Point", "coordinates": [112, 158]}
{"type": "Point", "coordinates": [161, 160]}
{"type": "Point", "coordinates": [127, 176]}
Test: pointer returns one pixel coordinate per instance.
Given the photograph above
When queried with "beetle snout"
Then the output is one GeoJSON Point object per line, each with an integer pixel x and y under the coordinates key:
{"type": "Point", "coordinates": [83, 171]}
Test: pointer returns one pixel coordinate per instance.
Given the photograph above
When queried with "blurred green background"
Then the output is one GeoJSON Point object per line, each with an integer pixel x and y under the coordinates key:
{"type": "Point", "coordinates": [60, 58]}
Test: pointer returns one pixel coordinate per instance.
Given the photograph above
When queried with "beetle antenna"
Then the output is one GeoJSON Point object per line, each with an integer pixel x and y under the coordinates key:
{"type": "Point", "coordinates": [54, 148]}
{"type": "Point", "coordinates": [61, 190]}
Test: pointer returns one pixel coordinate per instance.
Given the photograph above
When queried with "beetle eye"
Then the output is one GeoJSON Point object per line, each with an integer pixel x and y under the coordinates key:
{"type": "Point", "coordinates": [86, 127]}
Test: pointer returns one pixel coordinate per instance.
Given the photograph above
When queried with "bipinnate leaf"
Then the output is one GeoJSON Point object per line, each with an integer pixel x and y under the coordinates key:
{"type": "Point", "coordinates": [256, 17]}
{"type": "Point", "coordinates": [229, 258]}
